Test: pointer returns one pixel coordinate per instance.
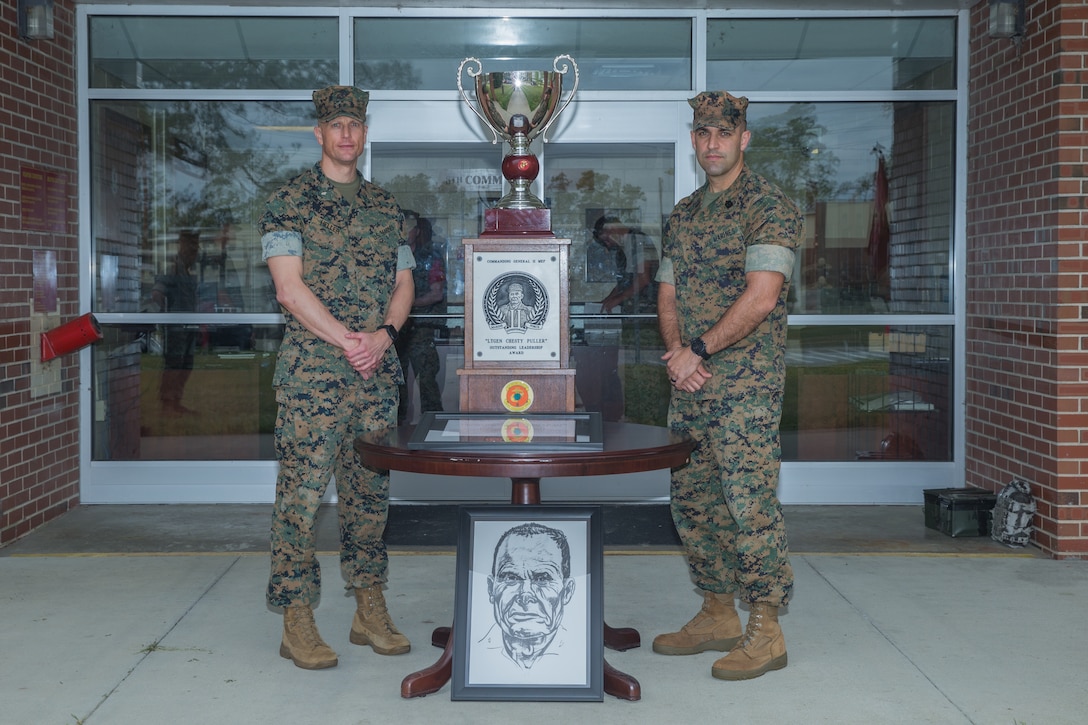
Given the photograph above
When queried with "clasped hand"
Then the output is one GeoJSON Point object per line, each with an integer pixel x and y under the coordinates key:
{"type": "Point", "coordinates": [686, 369]}
{"type": "Point", "coordinates": [364, 350]}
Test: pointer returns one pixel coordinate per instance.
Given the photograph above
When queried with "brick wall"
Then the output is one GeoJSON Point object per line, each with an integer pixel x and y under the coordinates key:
{"type": "Point", "coordinates": [39, 425]}
{"type": "Point", "coordinates": [1027, 297]}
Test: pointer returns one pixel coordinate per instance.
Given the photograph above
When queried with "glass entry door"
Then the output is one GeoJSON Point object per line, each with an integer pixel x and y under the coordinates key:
{"type": "Point", "coordinates": [178, 345]}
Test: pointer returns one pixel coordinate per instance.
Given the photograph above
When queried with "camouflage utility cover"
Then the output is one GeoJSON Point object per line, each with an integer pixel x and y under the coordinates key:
{"type": "Point", "coordinates": [336, 101]}
{"type": "Point", "coordinates": [719, 109]}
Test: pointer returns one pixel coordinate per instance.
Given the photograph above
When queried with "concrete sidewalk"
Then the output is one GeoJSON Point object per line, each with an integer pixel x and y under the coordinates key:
{"type": "Point", "coordinates": [120, 639]}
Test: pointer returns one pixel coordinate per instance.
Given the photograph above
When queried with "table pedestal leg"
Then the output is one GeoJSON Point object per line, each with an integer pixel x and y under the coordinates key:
{"type": "Point", "coordinates": [620, 684]}
{"type": "Point", "coordinates": [524, 491]}
{"type": "Point", "coordinates": [431, 679]}
{"type": "Point", "coordinates": [621, 639]}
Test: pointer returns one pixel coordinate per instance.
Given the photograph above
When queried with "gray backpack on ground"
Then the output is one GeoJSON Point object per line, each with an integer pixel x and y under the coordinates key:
{"type": "Point", "coordinates": [1012, 514]}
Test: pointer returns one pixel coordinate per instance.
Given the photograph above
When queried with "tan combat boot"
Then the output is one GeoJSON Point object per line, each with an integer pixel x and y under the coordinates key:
{"type": "Point", "coordinates": [716, 627]}
{"type": "Point", "coordinates": [373, 626]}
{"type": "Point", "coordinates": [763, 648]}
{"type": "Point", "coordinates": [302, 644]}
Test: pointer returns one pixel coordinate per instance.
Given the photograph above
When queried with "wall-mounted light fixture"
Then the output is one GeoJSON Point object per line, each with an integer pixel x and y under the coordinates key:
{"type": "Point", "coordinates": [36, 19]}
{"type": "Point", "coordinates": [1007, 18]}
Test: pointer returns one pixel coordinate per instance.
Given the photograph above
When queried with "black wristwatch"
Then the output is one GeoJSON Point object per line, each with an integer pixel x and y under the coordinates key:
{"type": "Point", "coordinates": [699, 348]}
{"type": "Point", "coordinates": [392, 331]}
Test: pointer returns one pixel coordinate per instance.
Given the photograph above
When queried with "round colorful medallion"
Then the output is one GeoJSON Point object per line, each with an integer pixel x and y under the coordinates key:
{"type": "Point", "coordinates": [517, 396]}
{"type": "Point", "coordinates": [517, 430]}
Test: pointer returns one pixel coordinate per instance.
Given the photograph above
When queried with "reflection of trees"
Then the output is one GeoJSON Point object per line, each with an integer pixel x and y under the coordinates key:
{"type": "Point", "coordinates": [387, 75]}
{"type": "Point", "coordinates": [569, 200]}
{"type": "Point", "coordinates": [228, 74]}
{"type": "Point", "coordinates": [202, 164]}
{"type": "Point", "coordinates": [419, 193]}
{"type": "Point", "coordinates": [211, 145]}
{"type": "Point", "coordinates": [787, 150]}
{"type": "Point", "coordinates": [212, 142]}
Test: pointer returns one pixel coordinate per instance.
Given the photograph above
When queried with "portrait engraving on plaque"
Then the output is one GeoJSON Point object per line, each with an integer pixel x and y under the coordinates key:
{"type": "Point", "coordinates": [516, 303]}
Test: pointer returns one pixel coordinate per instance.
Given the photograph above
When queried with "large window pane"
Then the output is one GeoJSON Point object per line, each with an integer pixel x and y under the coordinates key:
{"type": "Point", "coordinates": [135, 51]}
{"type": "Point", "coordinates": [186, 180]}
{"type": "Point", "coordinates": [171, 392]}
{"type": "Point", "coordinates": [612, 54]}
{"type": "Point", "coordinates": [448, 185]}
{"type": "Point", "coordinates": [832, 54]}
{"type": "Point", "coordinates": [451, 185]}
{"type": "Point", "coordinates": [609, 200]}
{"type": "Point", "coordinates": [868, 394]}
{"type": "Point", "coordinates": [631, 183]}
{"type": "Point", "coordinates": [876, 183]}
{"type": "Point", "coordinates": [177, 189]}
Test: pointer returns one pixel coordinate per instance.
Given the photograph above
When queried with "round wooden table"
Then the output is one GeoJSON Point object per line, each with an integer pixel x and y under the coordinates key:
{"type": "Point", "coordinates": [627, 448]}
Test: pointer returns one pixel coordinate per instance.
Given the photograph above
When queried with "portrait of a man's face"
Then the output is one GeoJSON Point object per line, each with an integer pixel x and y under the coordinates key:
{"type": "Point", "coordinates": [529, 621]}
{"type": "Point", "coordinates": [516, 293]}
{"type": "Point", "coordinates": [528, 587]}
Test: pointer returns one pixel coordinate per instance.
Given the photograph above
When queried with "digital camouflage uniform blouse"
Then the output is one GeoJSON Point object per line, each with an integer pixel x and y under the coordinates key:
{"type": "Point", "coordinates": [751, 226]}
{"type": "Point", "coordinates": [351, 254]}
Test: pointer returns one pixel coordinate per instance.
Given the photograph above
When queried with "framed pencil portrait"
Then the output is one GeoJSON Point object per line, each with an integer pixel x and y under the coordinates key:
{"type": "Point", "coordinates": [528, 618]}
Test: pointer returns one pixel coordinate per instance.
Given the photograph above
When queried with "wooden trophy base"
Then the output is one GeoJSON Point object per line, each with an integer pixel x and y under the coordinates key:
{"type": "Point", "coordinates": [484, 390]}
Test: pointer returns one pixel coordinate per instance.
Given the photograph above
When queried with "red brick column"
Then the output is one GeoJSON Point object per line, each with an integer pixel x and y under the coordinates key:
{"type": "Point", "coordinates": [39, 432]}
{"type": "Point", "coordinates": [1027, 275]}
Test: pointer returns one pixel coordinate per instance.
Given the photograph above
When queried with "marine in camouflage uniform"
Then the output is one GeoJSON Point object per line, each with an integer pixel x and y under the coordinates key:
{"type": "Point", "coordinates": [335, 246]}
{"type": "Point", "coordinates": [728, 253]}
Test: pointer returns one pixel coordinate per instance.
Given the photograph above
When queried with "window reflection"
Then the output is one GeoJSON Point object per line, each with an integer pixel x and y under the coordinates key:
{"type": "Point", "coordinates": [867, 394]}
{"type": "Point", "coordinates": [846, 54]}
{"type": "Point", "coordinates": [135, 51]}
{"type": "Point", "coordinates": [195, 170]}
{"type": "Point", "coordinates": [610, 199]}
{"type": "Point", "coordinates": [178, 186]}
{"type": "Point", "coordinates": [613, 54]}
{"type": "Point", "coordinates": [184, 392]}
{"type": "Point", "coordinates": [619, 372]}
{"type": "Point", "coordinates": [876, 183]}
{"type": "Point", "coordinates": [450, 185]}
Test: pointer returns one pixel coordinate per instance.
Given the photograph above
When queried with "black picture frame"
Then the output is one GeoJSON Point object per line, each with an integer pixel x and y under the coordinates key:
{"type": "Point", "coordinates": [508, 432]}
{"type": "Point", "coordinates": [565, 666]}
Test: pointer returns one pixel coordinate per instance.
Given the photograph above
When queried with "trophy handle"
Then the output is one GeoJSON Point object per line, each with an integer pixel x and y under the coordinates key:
{"type": "Point", "coordinates": [564, 104]}
{"type": "Point", "coordinates": [464, 96]}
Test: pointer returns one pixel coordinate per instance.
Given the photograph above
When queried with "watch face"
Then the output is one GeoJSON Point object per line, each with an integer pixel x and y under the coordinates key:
{"type": "Point", "coordinates": [699, 348]}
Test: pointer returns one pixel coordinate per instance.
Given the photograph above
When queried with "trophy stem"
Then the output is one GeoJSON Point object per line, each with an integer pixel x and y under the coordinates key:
{"type": "Point", "coordinates": [519, 197]}
{"type": "Point", "coordinates": [520, 167]}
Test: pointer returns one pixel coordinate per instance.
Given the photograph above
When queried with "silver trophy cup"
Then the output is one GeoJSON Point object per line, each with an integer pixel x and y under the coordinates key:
{"type": "Point", "coordinates": [518, 106]}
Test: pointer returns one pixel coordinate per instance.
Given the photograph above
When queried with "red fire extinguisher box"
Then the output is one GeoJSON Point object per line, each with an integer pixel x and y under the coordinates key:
{"type": "Point", "coordinates": [70, 336]}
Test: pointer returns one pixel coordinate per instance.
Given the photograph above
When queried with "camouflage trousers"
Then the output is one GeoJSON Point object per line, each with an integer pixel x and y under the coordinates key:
{"type": "Point", "coordinates": [314, 440]}
{"type": "Point", "coordinates": [725, 501]}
